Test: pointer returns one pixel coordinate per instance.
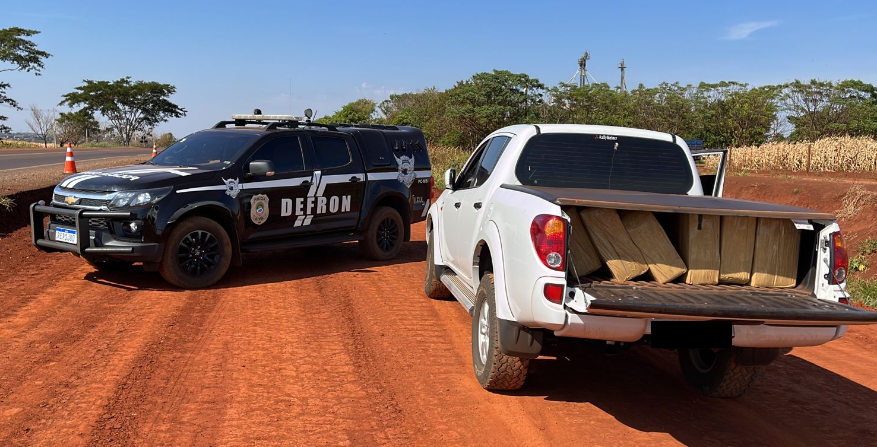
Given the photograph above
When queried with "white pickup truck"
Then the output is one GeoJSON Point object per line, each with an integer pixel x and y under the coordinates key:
{"type": "Point", "coordinates": [499, 242]}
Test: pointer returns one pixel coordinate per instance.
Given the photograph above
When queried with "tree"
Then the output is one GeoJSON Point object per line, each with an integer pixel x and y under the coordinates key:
{"type": "Point", "coordinates": [41, 123]}
{"type": "Point", "coordinates": [75, 127]}
{"type": "Point", "coordinates": [488, 101]}
{"type": "Point", "coordinates": [165, 140]}
{"type": "Point", "coordinates": [131, 107]}
{"type": "Point", "coordinates": [23, 55]}
{"type": "Point", "coordinates": [359, 111]}
{"type": "Point", "coordinates": [425, 110]}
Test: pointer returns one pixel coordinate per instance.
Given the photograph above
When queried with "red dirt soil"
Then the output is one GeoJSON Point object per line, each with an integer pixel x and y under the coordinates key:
{"type": "Point", "coordinates": [319, 346]}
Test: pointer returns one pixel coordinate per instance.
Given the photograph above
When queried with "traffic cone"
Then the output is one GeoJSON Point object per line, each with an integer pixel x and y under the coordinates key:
{"type": "Point", "coordinates": [69, 162]}
{"type": "Point", "coordinates": [154, 152]}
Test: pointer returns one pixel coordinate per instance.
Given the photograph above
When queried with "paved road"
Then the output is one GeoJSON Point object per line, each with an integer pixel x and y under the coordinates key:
{"type": "Point", "coordinates": [19, 159]}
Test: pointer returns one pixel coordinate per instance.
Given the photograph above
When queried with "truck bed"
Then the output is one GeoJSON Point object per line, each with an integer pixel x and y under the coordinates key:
{"type": "Point", "coordinates": [723, 302]}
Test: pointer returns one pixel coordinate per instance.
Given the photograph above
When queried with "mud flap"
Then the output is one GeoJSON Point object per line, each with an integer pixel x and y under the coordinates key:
{"type": "Point", "coordinates": [518, 341]}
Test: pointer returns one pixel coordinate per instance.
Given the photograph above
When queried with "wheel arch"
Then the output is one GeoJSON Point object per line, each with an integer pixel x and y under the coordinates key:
{"type": "Point", "coordinates": [488, 256]}
{"type": "Point", "coordinates": [214, 211]}
{"type": "Point", "coordinates": [399, 203]}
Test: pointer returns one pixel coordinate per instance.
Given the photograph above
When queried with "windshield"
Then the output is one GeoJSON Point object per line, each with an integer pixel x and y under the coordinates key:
{"type": "Point", "coordinates": [206, 149]}
{"type": "Point", "coordinates": [604, 162]}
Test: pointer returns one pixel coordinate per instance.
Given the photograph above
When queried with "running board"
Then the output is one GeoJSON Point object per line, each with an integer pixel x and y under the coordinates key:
{"type": "Point", "coordinates": [459, 289]}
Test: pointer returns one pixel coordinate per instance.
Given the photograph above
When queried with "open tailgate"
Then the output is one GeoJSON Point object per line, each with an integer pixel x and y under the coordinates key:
{"type": "Point", "coordinates": [738, 303]}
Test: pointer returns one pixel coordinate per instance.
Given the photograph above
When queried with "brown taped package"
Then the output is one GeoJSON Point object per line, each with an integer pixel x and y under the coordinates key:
{"type": "Point", "coordinates": [738, 246]}
{"type": "Point", "coordinates": [775, 263]}
{"type": "Point", "coordinates": [664, 262]}
{"type": "Point", "coordinates": [699, 247]}
{"type": "Point", "coordinates": [583, 254]}
{"type": "Point", "coordinates": [613, 245]}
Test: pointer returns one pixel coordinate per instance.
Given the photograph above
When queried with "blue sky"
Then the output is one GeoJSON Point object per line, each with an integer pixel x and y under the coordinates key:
{"type": "Point", "coordinates": [229, 57]}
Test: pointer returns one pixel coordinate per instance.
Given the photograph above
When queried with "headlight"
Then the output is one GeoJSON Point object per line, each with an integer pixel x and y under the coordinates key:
{"type": "Point", "coordinates": [130, 199]}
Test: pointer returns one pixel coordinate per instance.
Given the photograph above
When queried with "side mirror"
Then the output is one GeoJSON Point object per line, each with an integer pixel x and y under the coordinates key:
{"type": "Point", "coordinates": [450, 178]}
{"type": "Point", "coordinates": [261, 167]}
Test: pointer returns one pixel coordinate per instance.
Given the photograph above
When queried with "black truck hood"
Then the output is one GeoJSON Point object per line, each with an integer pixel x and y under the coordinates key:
{"type": "Point", "coordinates": [132, 177]}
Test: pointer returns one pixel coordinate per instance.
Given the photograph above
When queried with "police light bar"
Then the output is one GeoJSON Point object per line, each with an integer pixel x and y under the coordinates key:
{"type": "Point", "coordinates": [266, 117]}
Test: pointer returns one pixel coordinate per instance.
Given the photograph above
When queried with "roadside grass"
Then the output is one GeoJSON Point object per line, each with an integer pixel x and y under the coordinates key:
{"type": "Point", "coordinates": [444, 158]}
{"type": "Point", "coordinates": [16, 144]}
{"type": "Point", "coordinates": [854, 200]}
{"type": "Point", "coordinates": [863, 291]}
{"type": "Point", "coordinates": [7, 203]}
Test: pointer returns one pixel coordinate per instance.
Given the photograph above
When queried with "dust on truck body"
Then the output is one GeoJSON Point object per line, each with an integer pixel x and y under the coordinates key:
{"type": "Point", "coordinates": [254, 183]}
{"type": "Point", "coordinates": [552, 233]}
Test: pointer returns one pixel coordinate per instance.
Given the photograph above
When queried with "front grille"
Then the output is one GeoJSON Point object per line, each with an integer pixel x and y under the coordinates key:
{"type": "Point", "coordinates": [96, 203]}
{"type": "Point", "coordinates": [97, 223]}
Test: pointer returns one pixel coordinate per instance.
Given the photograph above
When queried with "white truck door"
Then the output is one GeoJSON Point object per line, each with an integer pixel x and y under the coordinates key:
{"type": "Point", "coordinates": [472, 200]}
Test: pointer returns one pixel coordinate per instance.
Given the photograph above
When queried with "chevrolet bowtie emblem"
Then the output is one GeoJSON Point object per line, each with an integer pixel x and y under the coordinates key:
{"type": "Point", "coordinates": [70, 200]}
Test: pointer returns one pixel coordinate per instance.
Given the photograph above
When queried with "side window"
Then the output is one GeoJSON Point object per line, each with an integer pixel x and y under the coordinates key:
{"type": "Point", "coordinates": [331, 152]}
{"type": "Point", "coordinates": [466, 178]}
{"type": "Point", "coordinates": [284, 152]}
{"type": "Point", "coordinates": [489, 159]}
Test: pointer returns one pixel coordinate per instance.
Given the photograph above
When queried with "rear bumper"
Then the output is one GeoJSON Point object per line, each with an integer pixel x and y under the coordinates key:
{"type": "Point", "coordinates": [98, 244]}
{"type": "Point", "coordinates": [621, 329]}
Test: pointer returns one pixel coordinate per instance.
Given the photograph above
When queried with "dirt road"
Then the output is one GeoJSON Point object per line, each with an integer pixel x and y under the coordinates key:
{"type": "Point", "coordinates": [319, 346]}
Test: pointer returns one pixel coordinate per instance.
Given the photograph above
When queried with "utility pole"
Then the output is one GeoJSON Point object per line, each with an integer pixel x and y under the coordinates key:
{"type": "Point", "coordinates": [583, 69]}
{"type": "Point", "coordinates": [623, 85]}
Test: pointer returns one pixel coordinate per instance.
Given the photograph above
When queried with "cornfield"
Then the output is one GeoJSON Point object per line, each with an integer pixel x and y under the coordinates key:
{"type": "Point", "coordinates": [834, 154]}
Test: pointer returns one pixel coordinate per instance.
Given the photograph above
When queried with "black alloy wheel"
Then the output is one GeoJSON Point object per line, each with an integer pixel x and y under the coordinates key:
{"type": "Point", "coordinates": [198, 253]}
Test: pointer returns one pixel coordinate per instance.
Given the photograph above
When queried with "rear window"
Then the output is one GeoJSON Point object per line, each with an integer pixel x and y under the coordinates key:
{"type": "Point", "coordinates": [604, 162]}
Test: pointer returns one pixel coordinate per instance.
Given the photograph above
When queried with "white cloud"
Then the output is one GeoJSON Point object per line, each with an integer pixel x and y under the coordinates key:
{"type": "Point", "coordinates": [377, 93]}
{"type": "Point", "coordinates": [742, 31]}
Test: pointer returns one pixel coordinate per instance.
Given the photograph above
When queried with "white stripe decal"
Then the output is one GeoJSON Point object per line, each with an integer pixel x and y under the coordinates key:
{"type": "Point", "coordinates": [297, 181]}
{"type": "Point", "coordinates": [315, 184]}
{"type": "Point", "coordinates": [425, 209]}
{"type": "Point", "coordinates": [383, 176]}
{"type": "Point", "coordinates": [423, 174]}
{"type": "Point", "coordinates": [70, 179]}
{"type": "Point", "coordinates": [81, 179]}
{"type": "Point", "coordinates": [298, 221]}
{"type": "Point", "coordinates": [308, 220]}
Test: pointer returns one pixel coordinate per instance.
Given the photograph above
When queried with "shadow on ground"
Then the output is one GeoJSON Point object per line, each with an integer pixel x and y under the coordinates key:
{"type": "Point", "coordinates": [272, 267]}
{"type": "Point", "coordinates": [793, 401]}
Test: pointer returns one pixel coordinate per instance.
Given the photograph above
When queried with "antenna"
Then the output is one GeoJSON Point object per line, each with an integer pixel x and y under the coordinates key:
{"type": "Point", "coordinates": [623, 85]}
{"type": "Point", "coordinates": [583, 69]}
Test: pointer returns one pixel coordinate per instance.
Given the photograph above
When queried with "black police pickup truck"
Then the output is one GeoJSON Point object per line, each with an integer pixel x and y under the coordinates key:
{"type": "Point", "coordinates": [258, 182]}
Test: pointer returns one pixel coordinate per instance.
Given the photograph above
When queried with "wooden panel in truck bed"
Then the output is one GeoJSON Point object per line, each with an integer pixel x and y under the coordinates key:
{"type": "Point", "coordinates": [728, 302]}
{"type": "Point", "coordinates": [667, 203]}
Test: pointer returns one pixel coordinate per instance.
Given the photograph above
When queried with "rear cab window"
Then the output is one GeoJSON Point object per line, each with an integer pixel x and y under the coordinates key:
{"type": "Point", "coordinates": [331, 152]}
{"type": "Point", "coordinates": [604, 162]}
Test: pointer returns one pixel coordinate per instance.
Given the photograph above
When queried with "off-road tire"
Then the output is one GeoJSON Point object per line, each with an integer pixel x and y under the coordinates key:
{"type": "Point", "coordinates": [171, 268]}
{"type": "Point", "coordinates": [500, 371]}
{"type": "Point", "coordinates": [434, 287]}
{"type": "Point", "coordinates": [721, 376]}
{"type": "Point", "coordinates": [374, 246]}
{"type": "Point", "coordinates": [110, 265]}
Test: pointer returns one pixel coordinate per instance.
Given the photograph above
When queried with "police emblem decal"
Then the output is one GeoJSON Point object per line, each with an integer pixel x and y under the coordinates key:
{"type": "Point", "coordinates": [406, 170]}
{"type": "Point", "coordinates": [232, 187]}
{"type": "Point", "coordinates": [259, 209]}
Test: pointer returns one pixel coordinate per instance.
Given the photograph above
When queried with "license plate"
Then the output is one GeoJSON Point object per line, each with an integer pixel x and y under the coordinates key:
{"type": "Point", "coordinates": [691, 334]}
{"type": "Point", "coordinates": [67, 235]}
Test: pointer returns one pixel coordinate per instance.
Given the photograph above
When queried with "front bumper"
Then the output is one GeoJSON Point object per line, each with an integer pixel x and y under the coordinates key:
{"type": "Point", "coordinates": [93, 244]}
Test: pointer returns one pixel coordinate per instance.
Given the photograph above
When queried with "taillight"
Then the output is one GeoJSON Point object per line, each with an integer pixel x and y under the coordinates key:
{"type": "Point", "coordinates": [431, 189]}
{"type": "Point", "coordinates": [840, 262]}
{"type": "Point", "coordinates": [553, 292]}
{"type": "Point", "coordinates": [549, 239]}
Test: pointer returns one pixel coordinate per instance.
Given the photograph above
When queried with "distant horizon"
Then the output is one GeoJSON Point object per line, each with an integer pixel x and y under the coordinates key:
{"type": "Point", "coordinates": [331, 56]}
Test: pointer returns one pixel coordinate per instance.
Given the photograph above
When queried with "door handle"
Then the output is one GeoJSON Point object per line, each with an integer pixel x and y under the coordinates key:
{"type": "Point", "coordinates": [477, 205]}
{"type": "Point", "coordinates": [354, 179]}
{"type": "Point", "coordinates": [457, 205]}
{"type": "Point", "coordinates": [307, 183]}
